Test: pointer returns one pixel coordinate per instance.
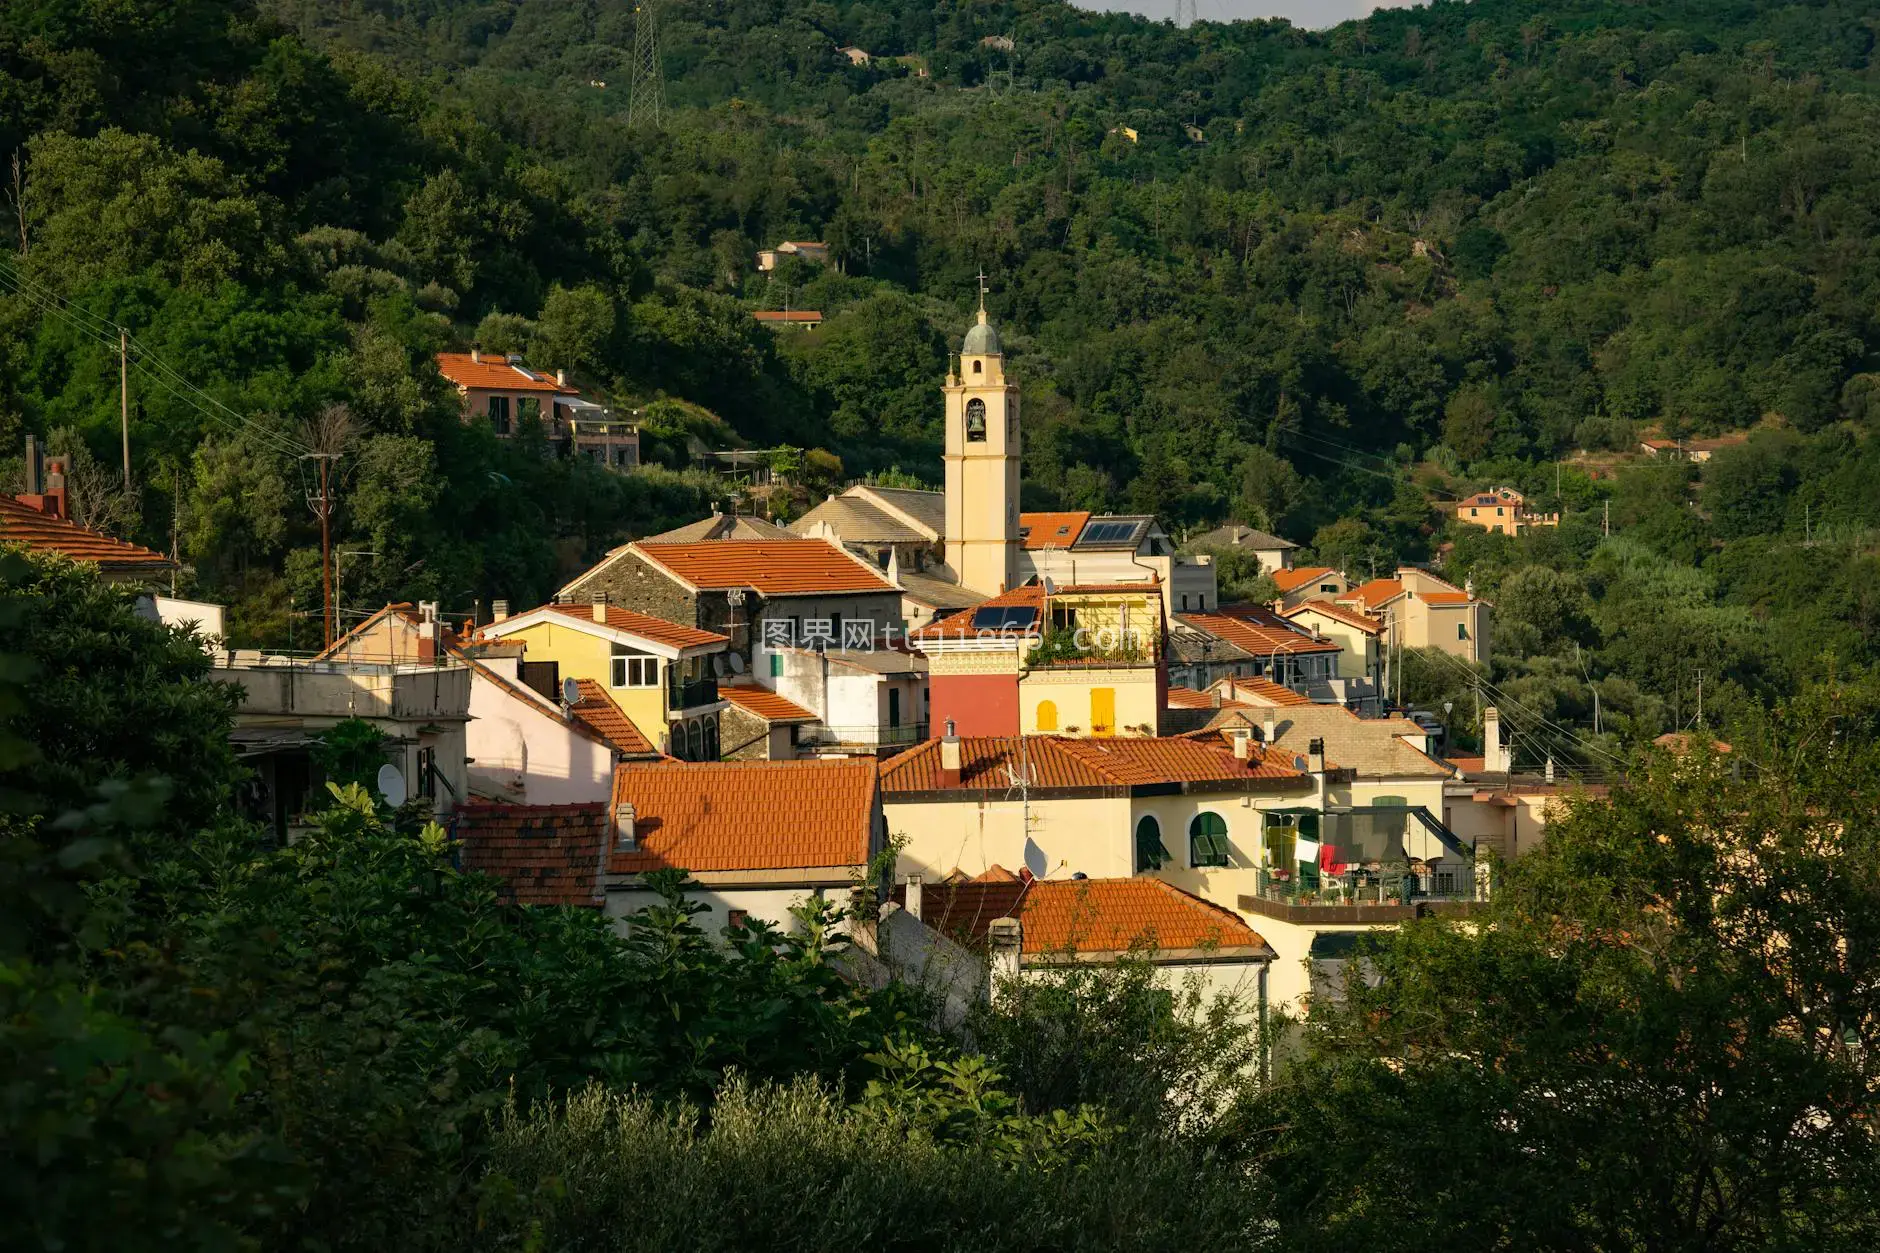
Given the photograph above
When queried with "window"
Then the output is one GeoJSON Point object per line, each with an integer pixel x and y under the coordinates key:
{"type": "Point", "coordinates": [1207, 841]}
{"type": "Point", "coordinates": [499, 414]}
{"type": "Point", "coordinates": [1329, 587]}
{"type": "Point", "coordinates": [1462, 630]}
{"type": "Point", "coordinates": [1473, 512]}
{"type": "Point", "coordinates": [711, 741]}
{"type": "Point", "coordinates": [528, 409]}
{"type": "Point", "coordinates": [427, 773]}
{"type": "Point", "coordinates": [835, 628]}
{"type": "Point", "coordinates": [1151, 853]}
{"type": "Point", "coordinates": [976, 419]}
{"type": "Point", "coordinates": [1184, 602]}
{"type": "Point", "coordinates": [776, 665]}
{"type": "Point", "coordinates": [1047, 715]}
{"type": "Point", "coordinates": [633, 668]}
{"type": "Point", "coordinates": [894, 706]}
{"type": "Point", "coordinates": [977, 369]}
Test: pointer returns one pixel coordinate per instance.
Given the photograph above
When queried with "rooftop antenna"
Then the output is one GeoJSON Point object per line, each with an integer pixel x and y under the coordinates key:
{"type": "Point", "coordinates": [646, 98]}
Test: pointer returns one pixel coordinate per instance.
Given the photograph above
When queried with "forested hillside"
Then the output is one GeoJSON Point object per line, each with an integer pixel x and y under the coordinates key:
{"type": "Point", "coordinates": [1432, 250]}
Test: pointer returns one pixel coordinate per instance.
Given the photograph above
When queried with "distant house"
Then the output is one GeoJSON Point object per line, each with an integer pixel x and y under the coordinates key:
{"type": "Point", "coordinates": [1691, 449]}
{"type": "Point", "coordinates": [1420, 610]}
{"type": "Point", "coordinates": [856, 56]}
{"type": "Point", "coordinates": [40, 520]}
{"type": "Point", "coordinates": [807, 250]}
{"type": "Point", "coordinates": [1501, 509]}
{"type": "Point", "coordinates": [998, 43]}
{"type": "Point", "coordinates": [506, 392]}
{"type": "Point", "coordinates": [1272, 552]}
{"type": "Point", "coordinates": [801, 319]}
{"type": "Point", "coordinates": [1195, 133]}
{"type": "Point", "coordinates": [1309, 583]}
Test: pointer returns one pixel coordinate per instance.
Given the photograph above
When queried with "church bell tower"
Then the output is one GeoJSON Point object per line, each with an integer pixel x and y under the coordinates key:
{"type": "Point", "coordinates": [982, 452]}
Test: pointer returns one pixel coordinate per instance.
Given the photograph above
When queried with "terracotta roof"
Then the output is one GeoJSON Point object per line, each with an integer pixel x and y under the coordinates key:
{"type": "Point", "coordinates": [1351, 617]}
{"type": "Point", "coordinates": [496, 374]}
{"type": "Point", "coordinates": [1260, 692]}
{"type": "Point", "coordinates": [721, 526]}
{"type": "Point", "coordinates": [990, 764]}
{"type": "Point", "coordinates": [763, 703]}
{"type": "Point", "coordinates": [757, 815]}
{"type": "Point", "coordinates": [788, 315]}
{"type": "Point", "coordinates": [544, 854]}
{"type": "Point", "coordinates": [21, 523]}
{"type": "Point", "coordinates": [646, 626]}
{"type": "Point", "coordinates": [778, 567]}
{"type": "Point", "coordinates": [1288, 580]}
{"type": "Point", "coordinates": [1444, 598]}
{"type": "Point", "coordinates": [1087, 916]}
{"type": "Point", "coordinates": [599, 712]}
{"type": "Point", "coordinates": [1188, 698]}
{"type": "Point", "coordinates": [1679, 743]}
{"type": "Point", "coordinates": [1376, 592]}
{"type": "Point", "coordinates": [1051, 530]}
{"type": "Point", "coordinates": [1258, 635]}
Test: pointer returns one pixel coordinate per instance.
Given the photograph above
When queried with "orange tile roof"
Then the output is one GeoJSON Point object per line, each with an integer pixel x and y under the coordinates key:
{"type": "Point", "coordinates": [771, 567]}
{"type": "Point", "coordinates": [1188, 698]}
{"type": "Point", "coordinates": [1287, 580]}
{"type": "Point", "coordinates": [1087, 916]}
{"type": "Point", "coordinates": [1257, 636]}
{"type": "Point", "coordinates": [646, 626]}
{"type": "Point", "coordinates": [1373, 594]}
{"type": "Point", "coordinates": [1052, 530]}
{"type": "Point", "coordinates": [21, 523]}
{"type": "Point", "coordinates": [544, 854]}
{"type": "Point", "coordinates": [493, 373]}
{"type": "Point", "coordinates": [1445, 598]}
{"type": "Point", "coordinates": [756, 815]}
{"type": "Point", "coordinates": [763, 703]}
{"type": "Point", "coordinates": [599, 712]}
{"type": "Point", "coordinates": [788, 315]}
{"type": "Point", "coordinates": [989, 764]}
{"type": "Point", "coordinates": [1351, 617]}
{"type": "Point", "coordinates": [1263, 691]}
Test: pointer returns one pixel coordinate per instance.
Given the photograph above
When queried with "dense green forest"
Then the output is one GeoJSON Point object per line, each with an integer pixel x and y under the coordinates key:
{"type": "Point", "coordinates": [1441, 248]}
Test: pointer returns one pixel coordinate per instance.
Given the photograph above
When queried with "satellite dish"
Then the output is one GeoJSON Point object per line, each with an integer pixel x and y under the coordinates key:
{"type": "Point", "coordinates": [737, 663]}
{"type": "Point", "coordinates": [718, 664]}
{"type": "Point", "coordinates": [391, 785]}
{"type": "Point", "coordinates": [570, 692]}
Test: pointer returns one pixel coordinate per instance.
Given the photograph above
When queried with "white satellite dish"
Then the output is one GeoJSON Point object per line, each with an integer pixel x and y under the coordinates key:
{"type": "Point", "coordinates": [718, 664]}
{"type": "Point", "coordinates": [737, 663]}
{"type": "Point", "coordinates": [391, 785]}
{"type": "Point", "coordinates": [570, 692]}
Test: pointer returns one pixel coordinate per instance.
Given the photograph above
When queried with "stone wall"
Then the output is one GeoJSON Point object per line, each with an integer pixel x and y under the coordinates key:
{"type": "Point", "coordinates": [743, 736]}
{"type": "Point", "coordinates": [632, 582]}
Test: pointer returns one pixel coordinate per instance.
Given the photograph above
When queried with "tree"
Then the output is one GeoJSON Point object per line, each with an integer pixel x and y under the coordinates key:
{"type": "Point", "coordinates": [574, 327]}
{"type": "Point", "coordinates": [1469, 423]}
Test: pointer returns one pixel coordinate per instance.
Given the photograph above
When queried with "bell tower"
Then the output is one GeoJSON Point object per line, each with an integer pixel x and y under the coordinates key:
{"type": "Point", "coordinates": [982, 450]}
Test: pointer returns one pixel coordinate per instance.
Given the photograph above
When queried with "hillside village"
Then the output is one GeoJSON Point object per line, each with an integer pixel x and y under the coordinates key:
{"type": "Point", "coordinates": [1022, 737]}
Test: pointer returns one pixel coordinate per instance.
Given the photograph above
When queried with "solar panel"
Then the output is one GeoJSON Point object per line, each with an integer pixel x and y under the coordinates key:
{"type": "Point", "coordinates": [1107, 532]}
{"type": "Point", "coordinates": [1004, 617]}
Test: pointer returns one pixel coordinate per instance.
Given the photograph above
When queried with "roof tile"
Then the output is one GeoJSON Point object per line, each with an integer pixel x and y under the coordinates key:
{"type": "Point", "coordinates": [646, 626]}
{"type": "Point", "coordinates": [599, 712]}
{"type": "Point", "coordinates": [1051, 530]}
{"type": "Point", "coordinates": [21, 523]}
{"type": "Point", "coordinates": [1086, 915]}
{"type": "Point", "coordinates": [995, 763]}
{"type": "Point", "coordinates": [792, 567]}
{"type": "Point", "coordinates": [757, 815]}
{"type": "Point", "coordinates": [763, 703]}
{"type": "Point", "coordinates": [544, 854]}
{"type": "Point", "coordinates": [494, 373]}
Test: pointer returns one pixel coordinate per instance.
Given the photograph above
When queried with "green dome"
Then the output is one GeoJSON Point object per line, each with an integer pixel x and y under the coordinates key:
{"type": "Point", "coordinates": [981, 340]}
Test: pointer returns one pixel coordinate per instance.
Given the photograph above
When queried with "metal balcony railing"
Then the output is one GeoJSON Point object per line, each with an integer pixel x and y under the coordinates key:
{"type": "Point", "coordinates": [691, 694]}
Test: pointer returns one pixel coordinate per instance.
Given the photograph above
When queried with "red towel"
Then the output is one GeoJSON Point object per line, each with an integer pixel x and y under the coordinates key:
{"type": "Point", "coordinates": [1327, 852]}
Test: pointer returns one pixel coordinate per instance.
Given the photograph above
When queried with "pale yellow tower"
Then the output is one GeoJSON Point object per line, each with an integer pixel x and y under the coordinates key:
{"type": "Point", "coordinates": [982, 451]}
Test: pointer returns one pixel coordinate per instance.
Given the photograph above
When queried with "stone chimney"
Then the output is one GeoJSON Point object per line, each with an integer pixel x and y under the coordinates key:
{"type": "Point", "coordinates": [1315, 755]}
{"type": "Point", "coordinates": [913, 897]}
{"type": "Point", "coordinates": [561, 378]}
{"type": "Point", "coordinates": [626, 838]}
{"type": "Point", "coordinates": [476, 355]}
{"type": "Point", "coordinates": [1242, 739]}
{"type": "Point", "coordinates": [52, 498]}
{"type": "Point", "coordinates": [600, 607]}
{"type": "Point", "coordinates": [1271, 728]}
{"type": "Point", "coordinates": [499, 610]}
{"type": "Point", "coordinates": [1494, 753]}
{"type": "Point", "coordinates": [1005, 937]}
{"type": "Point", "coordinates": [950, 757]}
{"type": "Point", "coordinates": [1214, 698]}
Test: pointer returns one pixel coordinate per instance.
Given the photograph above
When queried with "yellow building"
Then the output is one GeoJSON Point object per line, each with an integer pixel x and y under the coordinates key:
{"type": "Point", "coordinates": [982, 452]}
{"type": "Point", "coordinates": [1420, 610]}
{"type": "Point", "coordinates": [663, 676]}
{"type": "Point", "coordinates": [1502, 509]}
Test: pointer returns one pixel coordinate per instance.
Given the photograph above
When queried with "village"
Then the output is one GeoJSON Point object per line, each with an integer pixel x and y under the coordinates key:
{"type": "Point", "coordinates": [998, 740]}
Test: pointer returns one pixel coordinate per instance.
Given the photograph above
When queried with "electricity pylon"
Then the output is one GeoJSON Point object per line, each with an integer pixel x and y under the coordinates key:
{"type": "Point", "coordinates": [646, 98]}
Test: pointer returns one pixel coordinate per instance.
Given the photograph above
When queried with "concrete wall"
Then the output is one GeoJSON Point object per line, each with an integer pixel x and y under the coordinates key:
{"type": "Point", "coordinates": [977, 704]}
{"type": "Point", "coordinates": [772, 904]}
{"type": "Point", "coordinates": [526, 755]}
{"type": "Point", "coordinates": [1135, 692]}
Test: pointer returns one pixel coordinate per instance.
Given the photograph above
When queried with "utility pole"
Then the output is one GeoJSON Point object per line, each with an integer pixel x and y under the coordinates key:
{"type": "Point", "coordinates": [1605, 526]}
{"type": "Point", "coordinates": [322, 506]}
{"type": "Point", "coordinates": [124, 399]}
{"type": "Point", "coordinates": [1700, 698]}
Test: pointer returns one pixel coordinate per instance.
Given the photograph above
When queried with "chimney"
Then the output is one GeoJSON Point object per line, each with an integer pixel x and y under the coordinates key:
{"type": "Point", "coordinates": [1271, 728]}
{"type": "Point", "coordinates": [1214, 698]}
{"type": "Point", "coordinates": [950, 757]}
{"type": "Point", "coordinates": [625, 838]}
{"type": "Point", "coordinates": [427, 642]}
{"type": "Point", "coordinates": [476, 356]}
{"type": "Point", "coordinates": [33, 468]}
{"type": "Point", "coordinates": [561, 378]}
{"type": "Point", "coordinates": [1550, 769]}
{"type": "Point", "coordinates": [53, 499]}
{"type": "Point", "coordinates": [499, 610]}
{"type": "Point", "coordinates": [1243, 743]}
{"type": "Point", "coordinates": [1494, 754]}
{"type": "Point", "coordinates": [1315, 755]}
{"type": "Point", "coordinates": [1005, 937]}
{"type": "Point", "coordinates": [913, 897]}
{"type": "Point", "coordinates": [600, 607]}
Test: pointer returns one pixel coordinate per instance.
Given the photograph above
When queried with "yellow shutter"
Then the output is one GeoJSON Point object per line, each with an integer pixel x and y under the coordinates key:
{"type": "Point", "coordinates": [1103, 711]}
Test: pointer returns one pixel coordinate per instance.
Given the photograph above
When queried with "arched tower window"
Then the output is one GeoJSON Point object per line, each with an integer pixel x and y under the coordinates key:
{"type": "Point", "coordinates": [976, 419]}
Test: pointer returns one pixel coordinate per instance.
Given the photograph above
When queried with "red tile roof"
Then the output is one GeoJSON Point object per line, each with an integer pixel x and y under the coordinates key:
{"type": "Point", "coordinates": [1351, 617]}
{"type": "Point", "coordinates": [771, 567]}
{"type": "Point", "coordinates": [1256, 635]}
{"type": "Point", "coordinates": [646, 626]}
{"type": "Point", "coordinates": [1087, 916]}
{"type": "Point", "coordinates": [990, 764]}
{"type": "Point", "coordinates": [41, 532]}
{"type": "Point", "coordinates": [493, 373]}
{"type": "Point", "coordinates": [758, 815]}
{"type": "Point", "coordinates": [1287, 580]}
{"type": "Point", "coordinates": [544, 854]}
{"type": "Point", "coordinates": [763, 703]}
{"type": "Point", "coordinates": [1262, 691]}
{"type": "Point", "coordinates": [1373, 594]}
{"type": "Point", "coordinates": [599, 712]}
{"type": "Point", "coordinates": [1445, 598]}
{"type": "Point", "coordinates": [1188, 698]}
{"type": "Point", "coordinates": [1051, 530]}
{"type": "Point", "coordinates": [788, 315]}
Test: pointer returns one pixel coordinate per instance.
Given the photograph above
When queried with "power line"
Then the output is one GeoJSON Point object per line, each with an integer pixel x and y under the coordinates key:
{"type": "Point", "coordinates": [1502, 698]}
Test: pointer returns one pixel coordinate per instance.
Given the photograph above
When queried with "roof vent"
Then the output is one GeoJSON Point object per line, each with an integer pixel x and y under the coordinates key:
{"type": "Point", "coordinates": [624, 819]}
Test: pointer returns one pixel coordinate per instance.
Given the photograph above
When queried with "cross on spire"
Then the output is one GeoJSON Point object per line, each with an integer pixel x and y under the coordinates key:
{"type": "Point", "coordinates": [982, 290]}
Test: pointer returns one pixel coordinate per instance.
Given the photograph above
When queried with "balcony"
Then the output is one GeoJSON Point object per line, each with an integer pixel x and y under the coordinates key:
{"type": "Point", "coordinates": [279, 686]}
{"type": "Point", "coordinates": [691, 694]}
{"type": "Point", "coordinates": [822, 735]}
{"type": "Point", "coordinates": [1383, 864]}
